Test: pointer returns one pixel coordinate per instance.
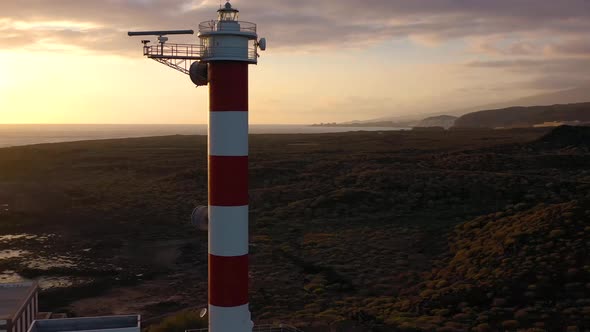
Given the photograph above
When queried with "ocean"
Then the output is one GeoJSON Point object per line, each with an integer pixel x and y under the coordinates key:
{"type": "Point", "coordinates": [27, 134]}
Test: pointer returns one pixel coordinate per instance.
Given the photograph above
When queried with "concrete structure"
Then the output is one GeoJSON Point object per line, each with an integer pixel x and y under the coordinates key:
{"type": "Point", "coordinates": [19, 304]}
{"type": "Point", "coordinates": [90, 324]}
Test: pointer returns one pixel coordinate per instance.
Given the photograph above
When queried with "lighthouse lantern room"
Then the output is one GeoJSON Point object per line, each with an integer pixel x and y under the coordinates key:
{"type": "Point", "coordinates": [227, 38]}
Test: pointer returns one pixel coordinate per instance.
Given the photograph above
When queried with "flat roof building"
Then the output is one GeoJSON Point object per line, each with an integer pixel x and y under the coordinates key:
{"type": "Point", "coordinates": [129, 323]}
{"type": "Point", "coordinates": [19, 304]}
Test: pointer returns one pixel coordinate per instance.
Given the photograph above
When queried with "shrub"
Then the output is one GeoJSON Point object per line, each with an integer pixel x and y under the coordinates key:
{"type": "Point", "coordinates": [510, 325]}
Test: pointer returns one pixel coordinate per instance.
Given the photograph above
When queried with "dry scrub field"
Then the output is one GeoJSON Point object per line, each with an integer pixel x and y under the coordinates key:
{"type": "Point", "coordinates": [364, 231]}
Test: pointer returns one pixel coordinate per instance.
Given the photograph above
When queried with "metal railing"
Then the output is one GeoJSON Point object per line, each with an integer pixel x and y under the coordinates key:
{"type": "Point", "coordinates": [213, 25]}
{"type": "Point", "coordinates": [263, 328]}
{"type": "Point", "coordinates": [197, 52]}
{"type": "Point", "coordinates": [229, 52]}
{"type": "Point", "coordinates": [173, 51]}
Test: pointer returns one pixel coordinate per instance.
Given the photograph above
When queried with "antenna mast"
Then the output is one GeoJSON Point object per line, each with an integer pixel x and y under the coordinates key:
{"type": "Point", "coordinates": [176, 56]}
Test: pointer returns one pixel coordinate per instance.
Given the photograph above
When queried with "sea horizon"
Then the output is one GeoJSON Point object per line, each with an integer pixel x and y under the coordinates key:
{"type": "Point", "coordinates": [30, 134]}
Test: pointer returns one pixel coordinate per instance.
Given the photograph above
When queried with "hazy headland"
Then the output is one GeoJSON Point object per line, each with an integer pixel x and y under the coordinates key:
{"type": "Point", "coordinates": [379, 231]}
{"type": "Point", "coordinates": [511, 117]}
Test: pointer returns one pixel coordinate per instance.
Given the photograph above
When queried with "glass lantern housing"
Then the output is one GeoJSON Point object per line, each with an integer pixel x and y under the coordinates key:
{"type": "Point", "coordinates": [228, 13]}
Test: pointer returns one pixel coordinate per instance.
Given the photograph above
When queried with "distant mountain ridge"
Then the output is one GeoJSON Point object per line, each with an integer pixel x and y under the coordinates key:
{"type": "Point", "coordinates": [575, 95]}
{"type": "Point", "coordinates": [445, 121]}
{"type": "Point", "coordinates": [569, 96]}
{"type": "Point", "coordinates": [512, 117]}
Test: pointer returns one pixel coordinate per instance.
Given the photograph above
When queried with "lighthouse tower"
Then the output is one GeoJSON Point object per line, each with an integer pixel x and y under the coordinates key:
{"type": "Point", "coordinates": [228, 47]}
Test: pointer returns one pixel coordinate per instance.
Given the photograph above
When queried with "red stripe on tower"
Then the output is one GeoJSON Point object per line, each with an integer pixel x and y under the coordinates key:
{"type": "Point", "coordinates": [224, 77]}
{"type": "Point", "coordinates": [229, 280]}
{"type": "Point", "coordinates": [228, 180]}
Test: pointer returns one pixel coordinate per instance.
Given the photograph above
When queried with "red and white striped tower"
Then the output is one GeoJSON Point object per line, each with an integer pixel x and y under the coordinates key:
{"type": "Point", "coordinates": [228, 46]}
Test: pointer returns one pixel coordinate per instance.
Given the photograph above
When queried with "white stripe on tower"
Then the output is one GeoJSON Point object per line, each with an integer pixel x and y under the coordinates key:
{"type": "Point", "coordinates": [226, 235]}
{"type": "Point", "coordinates": [230, 319]}
{"type": "Point", "coordinates": [230, 133]}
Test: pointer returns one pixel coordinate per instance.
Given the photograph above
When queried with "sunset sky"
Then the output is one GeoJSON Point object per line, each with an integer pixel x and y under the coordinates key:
{"type": "Point", "coordinates": [70, 61]}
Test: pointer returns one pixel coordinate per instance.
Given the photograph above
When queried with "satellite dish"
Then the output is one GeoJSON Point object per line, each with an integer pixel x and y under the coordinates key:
{"type": "Point", "coordinates": [203, 312]}
{"type": "Point", "coordinates": [198, 73]}
{"type": "Point", "coordinates": [200, 218]}
{"type": "Point", "coordinates": [262, 44]}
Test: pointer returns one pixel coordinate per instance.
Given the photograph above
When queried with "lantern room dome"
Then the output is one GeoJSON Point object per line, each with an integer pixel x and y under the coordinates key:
{"type": "Point", "coordinates": [227, 13]}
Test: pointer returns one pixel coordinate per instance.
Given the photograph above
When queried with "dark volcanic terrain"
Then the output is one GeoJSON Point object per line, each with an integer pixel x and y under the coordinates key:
{"type": "Point", "coordinates": [367, 231]}
{"type": "Point", "coordinates": [520, 117]}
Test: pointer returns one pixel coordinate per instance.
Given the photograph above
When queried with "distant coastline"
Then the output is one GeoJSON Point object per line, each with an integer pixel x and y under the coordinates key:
{"type": "Point", "coordinates": [29, 134]}
{"type": "Point", "coordinates": [575, 114]}
{"type": "Point", "coordinates": [382, 124]}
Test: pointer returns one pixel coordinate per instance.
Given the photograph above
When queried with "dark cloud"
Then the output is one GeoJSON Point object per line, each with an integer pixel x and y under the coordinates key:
{"type": "Point", "coordinates": [548, 74]}
{"type": "Point", "coordinates": [313, 24]}
{"type": "Point", "coordinates": [496, 46]}
{"type": "Point", "coordinates": [507, 64]}
{"type": "Point", "coordinates": [558, 82]}
{"type": "Point", "coordinates": [550, 66]}
{"type": "Point", "coordinates": [523, 48]}
{"type": "Point", "coordinates": [579, 47]}
{"type": "Point", "coordinates": [546, 38]}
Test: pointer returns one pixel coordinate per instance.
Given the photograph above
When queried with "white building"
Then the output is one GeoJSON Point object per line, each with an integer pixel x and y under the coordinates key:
{"type": "Point", "coordinates": [108, 323]}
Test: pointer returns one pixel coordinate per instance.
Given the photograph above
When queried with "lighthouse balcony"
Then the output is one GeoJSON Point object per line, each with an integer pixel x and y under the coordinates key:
{"type": "Point", "coordinates": [213, 27]}
{"type": "Point", "coordinates": [200, 52]}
